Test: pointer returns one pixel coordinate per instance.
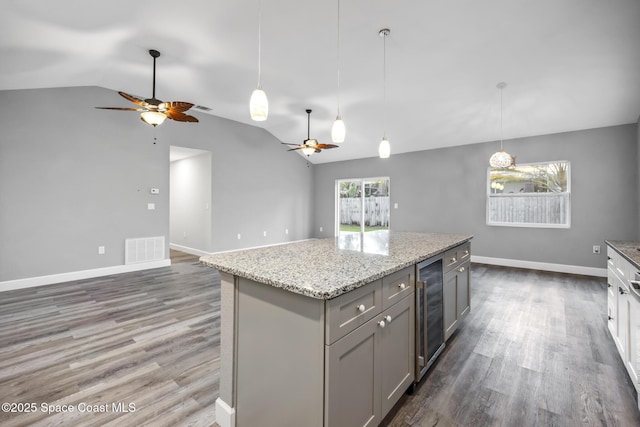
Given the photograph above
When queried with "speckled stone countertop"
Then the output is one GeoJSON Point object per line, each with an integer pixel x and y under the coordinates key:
{"type": "Point", "coordinates": [327, 268]}
{"type": "Point", "coordinates": [628, 249]}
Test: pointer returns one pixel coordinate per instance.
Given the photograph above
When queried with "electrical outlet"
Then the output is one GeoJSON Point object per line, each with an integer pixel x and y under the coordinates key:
{"type": "Point", "coordinates": [101, 250]}
{"type": "Point", "coordinates": [264, 234]}
{"type": "Point", "coordinates": [286, 231]}
{"type": "Point", "coordinates": [596, 249]}
{"type": "Point", "coordinates": [239, 236]}
{"type": "Point", "coordinates": [321, 229]}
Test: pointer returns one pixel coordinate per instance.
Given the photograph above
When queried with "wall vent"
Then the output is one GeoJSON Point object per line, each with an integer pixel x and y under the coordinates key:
{"type": "Point", "coordinates": [202, 108]}
{"type": "Point", "coordinates": [143, 250]}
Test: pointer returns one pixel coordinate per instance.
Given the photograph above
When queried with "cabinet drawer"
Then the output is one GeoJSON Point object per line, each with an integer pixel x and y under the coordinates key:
{"type": "Point", "coordinates": [348, 311]}
{"type": "Point", "coordinates": [397, 286]}
{"type": "Point", "coordinates": [456, 256]}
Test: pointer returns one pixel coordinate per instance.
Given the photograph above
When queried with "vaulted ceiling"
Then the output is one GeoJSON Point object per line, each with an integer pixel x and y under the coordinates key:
{"type": "Point", "coordinates": [569, 64]}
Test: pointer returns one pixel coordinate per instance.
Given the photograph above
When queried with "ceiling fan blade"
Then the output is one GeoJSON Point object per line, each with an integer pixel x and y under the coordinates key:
{"type": "Point", "coordinates": [296, 148]}
{"type": "Point", "coordinates": [122, 108]}
{"type": "Point", "coordinates": [133, 99]}
{"type": "Point", "coordinates": [327, 146]}
{"type": "Point", "coordinates": [177, 106]}
{"type": "Point", "coordinates": [180, 117]}
{"type": "Point", "coordinates": [287, 143]}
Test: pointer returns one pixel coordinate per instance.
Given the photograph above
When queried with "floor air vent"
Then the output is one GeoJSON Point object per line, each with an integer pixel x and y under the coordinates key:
{"type": "Point", "coordinates": [143, 250]}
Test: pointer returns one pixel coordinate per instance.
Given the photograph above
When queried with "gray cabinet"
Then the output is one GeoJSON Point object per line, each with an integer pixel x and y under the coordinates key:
{"type": "Point", "coordinates": [456, 288]}
{"type": "Point", "coordinates": [371, 366]}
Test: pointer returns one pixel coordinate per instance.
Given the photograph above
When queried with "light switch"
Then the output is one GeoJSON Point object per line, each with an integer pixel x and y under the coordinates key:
{"type": "Point", "coordinates": [395, 206]}
{"type": "Point", "coordinates": [151, 206]}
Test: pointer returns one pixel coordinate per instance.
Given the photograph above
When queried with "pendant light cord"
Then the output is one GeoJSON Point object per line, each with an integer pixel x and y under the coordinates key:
{"type": "Point", "coordinates": [259, 43]}
{"type": "Point", "coordinates": [384, 84]}
{"type": "Point", "coordinates": [501, 118]}
{"type": "Point", "coordinates": [338, 57]}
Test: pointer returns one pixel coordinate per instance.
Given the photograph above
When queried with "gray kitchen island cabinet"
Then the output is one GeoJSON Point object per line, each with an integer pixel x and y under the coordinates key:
{"type": "Point", "coordinates": [369, 369]}
{"type": "Point", "coordinates": [456, 289]}
{"type": "Point", "coordinates": [320, 332]}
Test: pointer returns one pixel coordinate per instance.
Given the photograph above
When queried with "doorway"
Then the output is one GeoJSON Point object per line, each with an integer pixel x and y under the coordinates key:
{"type": "Point", "coordinates": [190, 213]}
{"type": "Point", "coordinates": [363, 205]}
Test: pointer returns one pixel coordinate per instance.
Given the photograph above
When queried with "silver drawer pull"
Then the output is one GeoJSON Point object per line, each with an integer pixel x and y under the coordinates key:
{"type": "Point", "coordinates": [453, 259]}
{"type": "Point", "coordinates": [388, 318]}
{"type": "Point", "coordinates": [381, 323]}
{"type": "Point", "coordinates": [361, 308]}
{"type": "Point", "coordinates": [466, 251]}
{"type": "Point", "coordinates": [402, 286]}
{"type": "Point", "coordinates": [461, 269]}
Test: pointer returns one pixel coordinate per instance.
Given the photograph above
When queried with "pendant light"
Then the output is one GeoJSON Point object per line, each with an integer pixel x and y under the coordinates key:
{"type": "Point", "coordinates": [501, 159]}
{"type": "Point", "coordinates": [338, 129]}
{"type": "Point", "coordinates": [259, 105]}
{"type": "Point", "coordinates": [384, 149]}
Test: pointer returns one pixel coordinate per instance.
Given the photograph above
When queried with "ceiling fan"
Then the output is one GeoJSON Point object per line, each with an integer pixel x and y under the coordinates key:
{"type": "Point", "coordinates": [154, 111]}
{"type": "Point", "coordinates": [310, 146]}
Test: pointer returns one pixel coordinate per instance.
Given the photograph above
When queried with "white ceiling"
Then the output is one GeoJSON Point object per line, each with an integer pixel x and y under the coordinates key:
{"type": "Point", "coordinates": [569, 64]}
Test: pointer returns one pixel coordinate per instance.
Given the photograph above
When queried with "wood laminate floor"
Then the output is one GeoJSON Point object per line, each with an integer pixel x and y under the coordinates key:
{"type": "Point", "coordinates": [534, 351]}
{"type": "Point", "coordinates": [149, 339]}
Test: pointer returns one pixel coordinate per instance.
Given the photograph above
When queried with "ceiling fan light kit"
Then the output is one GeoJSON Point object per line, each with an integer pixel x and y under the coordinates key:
{"type": "Point", "coordinates": [153, 118]}
{"type": "Point", "coordinates": [309, 145]}
{"type": "Point", "coordinates": [154, 111]}
{"type": "Point", "coordinates": [501, 159]}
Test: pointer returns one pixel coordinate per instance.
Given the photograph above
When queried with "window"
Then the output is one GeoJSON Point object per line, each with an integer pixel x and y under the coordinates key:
{"type": "Point", "coordinates": [530, 195]}
{"type": "Point", "coordinates": [362, 205]}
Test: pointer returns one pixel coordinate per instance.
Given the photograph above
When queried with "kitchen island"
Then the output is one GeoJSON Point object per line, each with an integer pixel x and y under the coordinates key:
{"type": "Point", "coordinates": [320, 332]}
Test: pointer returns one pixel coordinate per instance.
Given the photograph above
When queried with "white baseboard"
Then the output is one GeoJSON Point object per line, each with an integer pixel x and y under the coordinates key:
{"type": "Point", "coordinates": [544, 266]}
{"type": "Point", "coordinates": [225, 414]}
{"type": "Point", "coordinates": [188, 250]}
{"type": "Point", "coordinates": [31, 282]}
{"type": "Point", "coordinates": [260, 246]}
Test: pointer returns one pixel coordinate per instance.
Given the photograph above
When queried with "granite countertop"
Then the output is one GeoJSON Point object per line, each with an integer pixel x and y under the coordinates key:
{"type": "Point", "coordinates": [628, 249]}
{"type": "Point", "coordinates": [327, 268]}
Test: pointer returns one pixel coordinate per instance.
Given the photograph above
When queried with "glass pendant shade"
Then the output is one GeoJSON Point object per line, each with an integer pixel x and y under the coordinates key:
{"type": "Point", "coordinates": [154, 118]}
{"type": "Point", "coordinates": [259, 105]}
{"type": "Point", "coordinates": [338, 130]}
{"type": "Point", "coordinates": [501, 159]}
{"type": "Point", "coordinates": [384, 149]}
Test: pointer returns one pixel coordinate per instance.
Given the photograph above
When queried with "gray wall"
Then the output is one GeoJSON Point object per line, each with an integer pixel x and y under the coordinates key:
{"type": "Point", "coordinates": [73, 177]}
{"type": "Point", "coordinates": [444, 190]}
{"type": "Point", "coordinates": [638, 174]}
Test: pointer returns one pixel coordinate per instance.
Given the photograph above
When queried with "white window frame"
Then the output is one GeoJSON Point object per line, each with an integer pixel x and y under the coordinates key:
{"type": "Point", "coordinates": [567, 194]}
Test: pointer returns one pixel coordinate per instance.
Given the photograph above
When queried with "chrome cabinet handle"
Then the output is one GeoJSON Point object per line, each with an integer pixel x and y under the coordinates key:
{"type": "Point", "coordinates": [402, 286]}
{"type": "Point", "coordinates": [381, 323]}
{"type": "Point", "coordinates": [388, 318]}
{"type": "Point", "coordinates": [461, 269]}
{"type": "Point", "coordinates": [466, 251]}
{"type": "Point", "coordinates": [622, 291]}
{"type": "Point", "coordinates": [610, 317]}
{"type": "Point", "coordinates": [453, 259]}
{"type": "Point", "coordinates": [361, 308]}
